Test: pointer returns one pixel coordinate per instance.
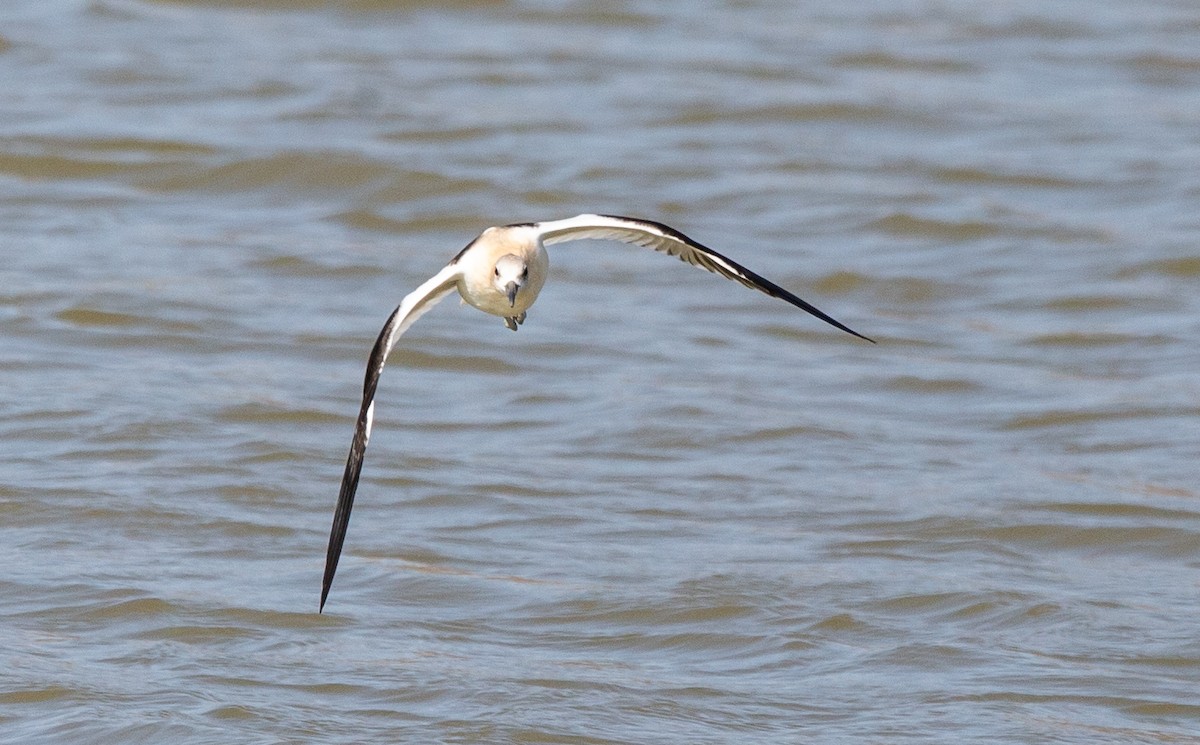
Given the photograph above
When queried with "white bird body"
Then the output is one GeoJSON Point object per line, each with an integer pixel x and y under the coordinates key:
{"type": "Point", "coordinates": [501, 272]}
{"type": "Point", "coordinates": [477, 264]}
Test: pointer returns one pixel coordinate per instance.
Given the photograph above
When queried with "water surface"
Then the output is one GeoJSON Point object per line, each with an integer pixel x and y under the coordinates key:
{"type": "Point", "coordinates": [669, 509]}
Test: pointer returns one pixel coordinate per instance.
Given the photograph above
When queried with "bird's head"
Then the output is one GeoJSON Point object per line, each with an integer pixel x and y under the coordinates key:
{"type": "Point", "coordinates": [510, 275]}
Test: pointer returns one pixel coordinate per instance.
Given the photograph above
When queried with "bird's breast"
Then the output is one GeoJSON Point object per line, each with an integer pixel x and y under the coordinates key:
{"type": "Point", "coordinates": [490, 300]}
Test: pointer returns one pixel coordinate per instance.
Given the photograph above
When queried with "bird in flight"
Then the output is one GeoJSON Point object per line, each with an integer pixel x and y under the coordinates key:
{"type": "Point", "coordinates": [501, 272]}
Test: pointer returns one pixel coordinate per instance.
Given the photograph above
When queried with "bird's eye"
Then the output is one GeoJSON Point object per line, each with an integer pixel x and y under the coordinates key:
{"type": "Point", "coordinates": [525, 274]}
{"type": "Point", "coordinates": [497, 271]}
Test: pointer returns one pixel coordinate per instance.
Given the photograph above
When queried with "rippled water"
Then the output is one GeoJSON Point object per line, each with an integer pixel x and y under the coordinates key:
{"type": "Point", "coordinates": [669, 509]}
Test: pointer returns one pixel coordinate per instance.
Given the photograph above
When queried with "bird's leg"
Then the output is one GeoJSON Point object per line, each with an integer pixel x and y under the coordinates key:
{"type": "Point", "coordinates": [511, 323]}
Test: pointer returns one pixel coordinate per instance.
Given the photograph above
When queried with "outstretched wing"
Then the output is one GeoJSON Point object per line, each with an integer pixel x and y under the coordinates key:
{"type": "Point", "coordinates": [670, 241]}
{"type": "Point", "coordinates": [414, 305]}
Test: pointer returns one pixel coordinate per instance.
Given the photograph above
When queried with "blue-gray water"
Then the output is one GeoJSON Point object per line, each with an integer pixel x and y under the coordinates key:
{"type": "Point", "coordinates": [669, 509]}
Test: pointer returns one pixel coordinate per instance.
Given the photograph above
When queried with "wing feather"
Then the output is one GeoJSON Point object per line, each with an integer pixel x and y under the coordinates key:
{"type": "Point", "coordinates": [668, 240]}
{"type": "Point", "coordinates": [414, 305]}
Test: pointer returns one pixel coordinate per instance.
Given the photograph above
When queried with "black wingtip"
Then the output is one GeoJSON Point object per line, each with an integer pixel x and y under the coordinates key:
{"type": "Point", "coordinates": [325, 585]}
{"type": "Point", "coordinates": [327, 582]}
{"type": "Point", "coordinates": [775, 290]}
{"type": "Point", "coordinates": [345, 503]}
{"type": "Point", "coordinates": [849, 330]}
{"type": "Point", "coordinates": [331, 561]}
{"type": "Point", "coordinates": [815, 311]}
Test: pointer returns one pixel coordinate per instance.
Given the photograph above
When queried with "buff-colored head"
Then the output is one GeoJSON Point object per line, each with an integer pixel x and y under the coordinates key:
{"type": "Point", "coordinates": [510, 275]}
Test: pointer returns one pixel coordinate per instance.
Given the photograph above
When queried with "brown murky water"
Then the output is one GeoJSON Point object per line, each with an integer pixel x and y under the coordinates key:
{"type": "Point", "coordinates": [669, 509]}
